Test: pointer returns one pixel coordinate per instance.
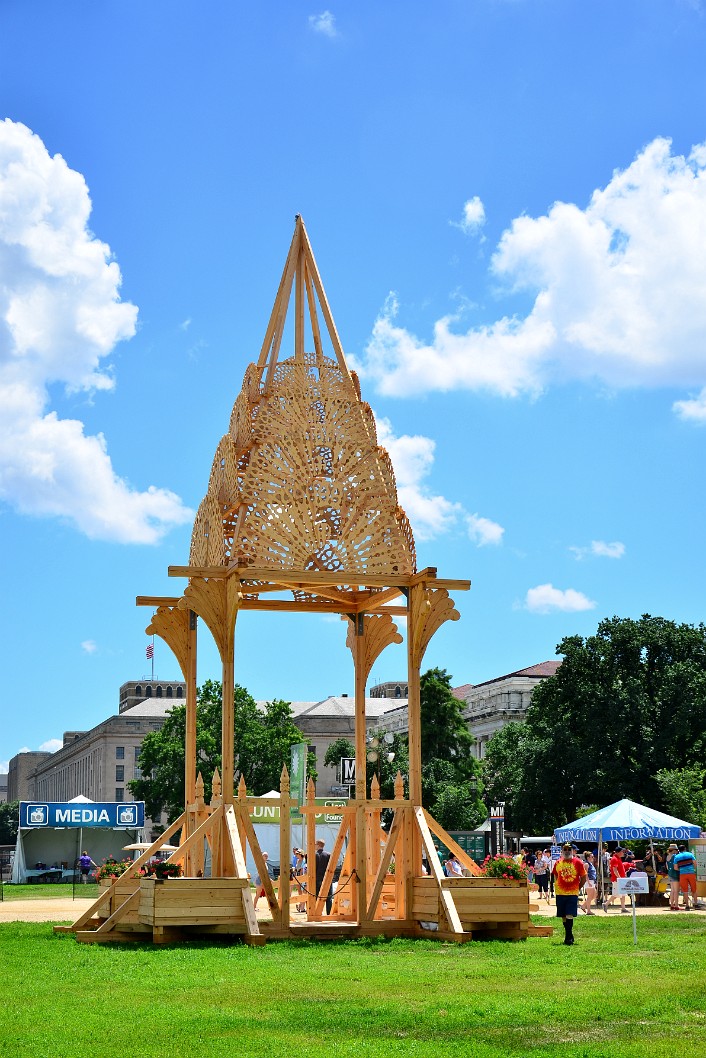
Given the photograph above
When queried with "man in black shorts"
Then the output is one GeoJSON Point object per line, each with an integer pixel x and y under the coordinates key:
{"type": "Point", "coordinates": [569, 873]}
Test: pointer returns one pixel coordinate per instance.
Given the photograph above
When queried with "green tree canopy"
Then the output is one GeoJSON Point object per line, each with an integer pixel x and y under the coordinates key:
{"type": "Point", "coordinates": [445, 734]}
{"type": "Point", "coordinates": [9, 822]}
{"type": "Point", "coordinates": [626, 703]}
{"type": "Point", "coordinates": [263, 742]}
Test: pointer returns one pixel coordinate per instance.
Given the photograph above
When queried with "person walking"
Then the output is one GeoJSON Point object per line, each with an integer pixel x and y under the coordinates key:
{"type": "Point", "coordinates": [591, 888]}
{"type": "Point", "coordinates": [259, 887]}
{"type": "Point", "coordinates": [617, 870]}
{"type": "Point", "coordinates": [84, 865]}
{"type": "Point", "coordinates": [569, 873]}
{"type": "Point", "coordinates": [685, 864]}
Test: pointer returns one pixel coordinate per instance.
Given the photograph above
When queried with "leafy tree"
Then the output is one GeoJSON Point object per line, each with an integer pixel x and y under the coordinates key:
{"type": "Point", "coordinates": [263, 742]}
{"type": "Point", "coordinates": [683, 793]}
{"type": "Point", "coordinates": [386, 770]}
{"type": "Point", "coordinates": [445, 734]}
{"type": "Point", "coordinates": [340, 747]}
{"type": "Point", "coordinates": [9, 822]}
{"type": "Point", "coordinates": [626, 703]}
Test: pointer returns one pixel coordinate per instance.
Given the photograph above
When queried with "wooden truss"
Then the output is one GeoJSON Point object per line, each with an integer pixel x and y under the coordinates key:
{"type": "Point", "coordinates": [301, 516]}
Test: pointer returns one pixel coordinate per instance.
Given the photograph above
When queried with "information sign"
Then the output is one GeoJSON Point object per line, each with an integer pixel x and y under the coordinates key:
{"type": "Point", "coordinates": [637, 882]}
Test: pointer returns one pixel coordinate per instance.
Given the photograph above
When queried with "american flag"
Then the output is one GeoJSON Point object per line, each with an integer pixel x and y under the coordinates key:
{"type": "Point", "coordinates": [150, 650]}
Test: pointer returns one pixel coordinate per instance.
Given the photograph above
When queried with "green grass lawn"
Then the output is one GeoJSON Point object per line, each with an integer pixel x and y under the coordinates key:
{"type": "Point", "coordinates": [603, 997]}
{"type": "Point", "coordinates": [49, 891]}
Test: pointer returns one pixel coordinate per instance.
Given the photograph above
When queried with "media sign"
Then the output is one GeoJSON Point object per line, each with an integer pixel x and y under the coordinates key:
{"type": "Point", "coordinates": [36, 814]}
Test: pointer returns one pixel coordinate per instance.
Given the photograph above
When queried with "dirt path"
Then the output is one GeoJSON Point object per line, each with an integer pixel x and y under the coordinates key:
{"type": "Point", "coordinates": [62, 910]}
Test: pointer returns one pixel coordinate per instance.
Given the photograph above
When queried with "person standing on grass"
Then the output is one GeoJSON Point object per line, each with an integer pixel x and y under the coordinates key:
{"type": "Point", "coordinates": [260, 888]}
{"type": "Point", "coordinates": [673, 875]}
{"type": "Point", "coordinates": [591, 889]}
{"type": "Point", "coordinates": [542, 867]}
{"type": "Point", "coordinates": [569, 873]}
{"type": "Point", "coordinates": [322, 861]}
{"type": "Point", "coordinates": [617, 870]}
{"type": "Point", "coordinates": [84, 865]}
{"type": "Point", "coordinates": [685, 863]}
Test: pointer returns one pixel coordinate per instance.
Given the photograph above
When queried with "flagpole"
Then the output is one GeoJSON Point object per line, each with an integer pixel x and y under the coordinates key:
{"type": "Point", "coordinates": [153, 658]}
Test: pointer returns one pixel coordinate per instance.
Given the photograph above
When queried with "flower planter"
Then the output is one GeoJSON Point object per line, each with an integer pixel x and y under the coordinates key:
{"type": "Point", "coordinates": [500, 905]}
{"type": "Point", "coordinates": [125, 887]}
{"type": "Point", "coordinates": [204, 902]}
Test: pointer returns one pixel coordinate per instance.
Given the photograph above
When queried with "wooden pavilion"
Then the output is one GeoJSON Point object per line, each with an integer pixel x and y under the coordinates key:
{"type": "Point", "coordinates": [301, 516]}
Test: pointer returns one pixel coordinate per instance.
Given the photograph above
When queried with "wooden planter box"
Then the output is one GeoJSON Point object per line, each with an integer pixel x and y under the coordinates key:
{"type": "Point", "coordinates": [124, 888]}
{"type": "Point", "coordinates": [483, 904]}
{"type": "Point", "coordinates": [193, 902]}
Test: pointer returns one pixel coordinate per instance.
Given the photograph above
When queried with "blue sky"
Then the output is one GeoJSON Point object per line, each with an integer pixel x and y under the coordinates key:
{"type": "Point", "coordinates": [507, 201]}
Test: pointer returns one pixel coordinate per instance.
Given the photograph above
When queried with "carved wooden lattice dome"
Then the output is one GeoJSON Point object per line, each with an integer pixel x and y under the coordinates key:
{"type": "Point", "coordinates": [299, 482]}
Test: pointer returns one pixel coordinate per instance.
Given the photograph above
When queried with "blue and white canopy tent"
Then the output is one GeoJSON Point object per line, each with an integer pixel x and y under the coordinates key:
{"type": "Point", "coordinates": [627, 821]}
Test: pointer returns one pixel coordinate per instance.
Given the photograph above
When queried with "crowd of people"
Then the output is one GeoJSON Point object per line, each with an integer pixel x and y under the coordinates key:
{"type": "Point", "coordinates": [579, 882]}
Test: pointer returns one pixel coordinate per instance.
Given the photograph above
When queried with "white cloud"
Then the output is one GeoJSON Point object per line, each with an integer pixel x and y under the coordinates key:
{"type": "Point", "coordinates": [473, 216]}
{"type": "Point", "coordinates": [619, 296]}
{"type": "Point", "coordinates": [483, 531]}
{"type": "Point", "coordinates": [89, 646]}
{"type": "Point", "coordinates": [51, 745]}
{"type": "Point", "coordinates": [4, 767]}
{"type": "Point", "coordinates": [693, 410]}
{"type": "Point", "coordinates": [324, 23]}
{"type": "Point", "coordinates": [545, 598]}
{"type": "Point", "coordinates": [185, 324]}
{"type": "Point", "coordinates": [60, 317]}
{"type": "Point", "coordinates": [412, 457]}
{"type": "Point", "coordinates": [599, 549]}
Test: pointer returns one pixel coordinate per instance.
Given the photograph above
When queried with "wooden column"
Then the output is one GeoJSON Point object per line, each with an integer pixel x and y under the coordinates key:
{"type": "Point", "coordinates": [228, 723]}
{"type": "Point", "coordinates": [285, 851]}
{"type": "Point", "coordinates": [414, 714]}
{"type": "Point", "coordinates": [361, 674]}
{"type": "Point", "coordinates": [190, 763]}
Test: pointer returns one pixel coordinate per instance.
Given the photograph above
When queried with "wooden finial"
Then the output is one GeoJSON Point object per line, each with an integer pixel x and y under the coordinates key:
{"type": "Point", "coordinates": [216, 784]}
{"type": "Point", "coordinates": [242, 787]}
{"type": "Point", "coordinates": [311, 791]}
{"type": "Point", "coordinates": [399, 787]}
{"type": "Point", "coordinates": [284, 780]}
{"type": "Point", "coordinates": [198, 791]}
{"type": "Point", "coordinates": [375, 788]}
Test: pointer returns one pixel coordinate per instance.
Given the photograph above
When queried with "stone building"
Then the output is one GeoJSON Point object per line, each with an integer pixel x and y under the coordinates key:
{"type": "Point", "coordinates": [3, 787]}
{"type": "Point", "coordinates": [494, 703]}
{"type": "Point", "coordinates": [391, 689]}
{"type": "Point", "coordinates": [488, 706]}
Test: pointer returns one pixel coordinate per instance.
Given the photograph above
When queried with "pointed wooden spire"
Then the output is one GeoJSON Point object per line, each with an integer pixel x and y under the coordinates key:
{"type": "Point", "coordinates": [399, 787]}
{"type": "Point", "coordinates": [284, 781]}
{"type": "Point", "coordinates": [198, 789]}
{"type": "Point", "coordinates": [375, 789]}
{"type": "Point", "coordinates": [216, 785]}
{"type": "Point", "coordinates": [311, 791]}
{"type": "Point", "coordinates": [242, 787]}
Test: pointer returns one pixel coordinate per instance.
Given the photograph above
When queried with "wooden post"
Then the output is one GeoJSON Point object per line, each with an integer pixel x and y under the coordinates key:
{"type": "Point", "coordinates": [228, 723]}
{"type": "Point", "coordinates": [190, 744]}
{"type": "Point", "coordinates": [310, 851]}
{"type": "Point", "coordinates": [361, 829]}
{"type": "Point", "coordinates": [285, 853]}
{"type": "Point", "coordinates": [216, 833]}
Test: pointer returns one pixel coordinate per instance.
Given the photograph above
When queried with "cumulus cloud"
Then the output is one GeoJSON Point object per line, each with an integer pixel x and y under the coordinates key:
{"type": "Point", "coordinates": [89, 646]}
{"type": "Point", "coordinates": [545, 598]}
{"type": "Point", "coordinates": [324, 23]}
{"type": "Point", "coordinates": [473, 217]}
{"type": "Point", "coordinates": [51, 745]}
{"type": "Point", "coordinates": [619, 296]}
{"type": "Point", "coordinates": [692, 410]}
{"type": "Point", "coordinates": [483, 531]}
{"type": "Point", "coordinates": [60, 317]}
{"type": "Point", "coordinates": [431, 515]}
{"type": "Point", "coordinates": [599, 549]}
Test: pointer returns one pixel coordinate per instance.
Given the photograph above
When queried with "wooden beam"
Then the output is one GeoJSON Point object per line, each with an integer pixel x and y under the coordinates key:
{"type": "Point", "coordinates": [395, 831]}
{"type": "Point", "coordinates": [199, 571]}
{"type": "Point", "coordinates": [283, 606]}
{"type": "Point", "coordinates": [157, 600]}
{"type": "Point", "coordinates": [374, 600]}
{"type": "Point", "coordinates": [445, 897]}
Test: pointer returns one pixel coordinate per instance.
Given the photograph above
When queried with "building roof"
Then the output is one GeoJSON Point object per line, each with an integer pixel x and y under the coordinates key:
{"type": "Point", "coordinates": [340, 706]}
{"type": "Point", "coordinates": [156, 707]}
{"type": "Point", "coordinates": [536, 672]}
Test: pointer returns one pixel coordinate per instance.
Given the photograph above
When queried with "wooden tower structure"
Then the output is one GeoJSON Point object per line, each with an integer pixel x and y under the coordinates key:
{"type": "Point", "coordinates": [301, 515]}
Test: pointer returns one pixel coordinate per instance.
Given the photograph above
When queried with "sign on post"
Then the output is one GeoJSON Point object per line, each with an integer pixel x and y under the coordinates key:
{"type": "Point", "coordinates": [637, 882]}
{"type": "Point", "coordinates": [40, 814]}
{"type": "Point", "coordinates": [348, 774]}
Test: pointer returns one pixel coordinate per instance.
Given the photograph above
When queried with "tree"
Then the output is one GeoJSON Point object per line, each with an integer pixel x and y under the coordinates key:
{"type": "Point", "coordinates": [340, 747]}
{"type": "Point", "coordinates": [9, 822]}
{"type": "Point", "coordinates": [385, 769]}
{"type": "Point", "coordinates": [625, 703]}
{"type": "Point", "coordinates": [683, 793]}
{"type": "Point", "coordinates": [262, 740]}
{"type": "Point", "coordinates": [445, 734]}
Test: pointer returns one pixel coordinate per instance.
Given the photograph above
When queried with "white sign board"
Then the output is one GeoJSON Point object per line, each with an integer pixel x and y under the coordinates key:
{"type": "Point", "coordinates": [636, 883]}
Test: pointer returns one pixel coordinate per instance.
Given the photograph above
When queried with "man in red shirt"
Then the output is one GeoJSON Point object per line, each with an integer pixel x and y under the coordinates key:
{"type": "Point", "coordinates": [569, 874]}
{"type": "Point", "coordinates": [617, 870]}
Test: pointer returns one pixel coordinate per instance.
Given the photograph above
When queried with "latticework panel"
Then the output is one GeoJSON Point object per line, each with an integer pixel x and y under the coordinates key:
{"type": "Point", "coordinates": [300, 483]}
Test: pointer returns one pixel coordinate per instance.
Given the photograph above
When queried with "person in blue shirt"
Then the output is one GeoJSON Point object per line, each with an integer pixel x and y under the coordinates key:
{"type": "Point", "coordinates": [685, 865]}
